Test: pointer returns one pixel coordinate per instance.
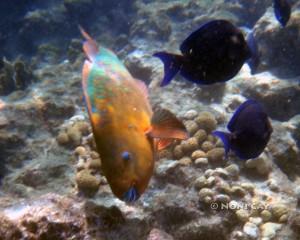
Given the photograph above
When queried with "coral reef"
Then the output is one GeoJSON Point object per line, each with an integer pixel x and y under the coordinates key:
{"type": "Point", "coordinates": [46, 144]}
{"type": "Point", "coordinates": [14, 76]}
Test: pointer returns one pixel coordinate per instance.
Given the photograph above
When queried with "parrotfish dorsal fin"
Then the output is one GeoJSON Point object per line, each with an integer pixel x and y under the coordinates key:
{"type": "Point", "coordinates": [90, 46]}
{"type": "Point", "coordinates": [166, 125]}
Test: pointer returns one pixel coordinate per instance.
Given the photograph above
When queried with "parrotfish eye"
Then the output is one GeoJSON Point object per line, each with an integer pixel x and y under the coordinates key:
{"type": "Point", "coordinates": [126, 156]}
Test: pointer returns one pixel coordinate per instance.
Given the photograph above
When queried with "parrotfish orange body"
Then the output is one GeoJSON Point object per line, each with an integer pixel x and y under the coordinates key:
{"type": "Point", "coordinates": [126, 132]}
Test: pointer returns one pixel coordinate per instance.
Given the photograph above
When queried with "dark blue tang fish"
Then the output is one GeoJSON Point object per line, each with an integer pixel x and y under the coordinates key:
{"type": "Point", "coordinates": [213, 53]}
{"type": "Point", "coordinates": [282, 9]}
{"type": "Point", "coordinates": [250, 131]}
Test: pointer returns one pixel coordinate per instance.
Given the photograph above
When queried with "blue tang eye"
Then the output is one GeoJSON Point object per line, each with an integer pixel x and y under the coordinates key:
{"type": "Point", "coordinates": [126, 156]}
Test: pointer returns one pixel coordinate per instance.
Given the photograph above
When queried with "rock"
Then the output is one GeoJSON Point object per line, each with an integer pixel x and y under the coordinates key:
{"type": "Point", "coordinates": [201, 162]}
{"type": "Point", "coordinates": [80, 151]}
{"type": "Point", "coordinates": [211, 181]}
{"type": "Point", "coordinates": [166, 167]}
{"type": "Point", "coordinates": [251, 230]}
{"type": "Point", "coordinates": [221, 172]}
{"type": "Point", "coordinates": [94, 155]}
{"type": "Point", "coordinates": [283, 218]}
{"type": "Point", "coordinates": [223, 187]}
{"type": "Point", "coordinates": [74, 136]}
{"type": "Point", "coordinates": [198, 154]}
{"type": "Point", "coordinates": [87, 183]}
{"type": "Point", "coordinates": [191, 127]}
{"type": "Point", "coordinates": [157, 234]}
{"type": "Point", "coordinates": [200, 182]}
{"type": "Point", "coordinates": [8, 229]}
{"type": "Point", "coordinates": [62, 138]}
{"type": "Point", "coordinates": [278, 45]}
{"type": "Point", "coordinates": [256, 220]}
{"type": "Point", "coordinates": [248, 187]}
{"type": "Point", "coordinates": [265, 88]}
{"type": "Point", "coordinates": [165, 153]}
{"type": "Point", "coordinates": [208, 173]}
{"type": "Point", "coordinates": [238, 191]}
{"type": "Point", "coordinates": [206, 121]}
{"type": "Point", "coordinates": [242, 215]}
{"type": "Point", "coordinates": [284, 150]}
{"type": "Point", "coordinates": [190, 145]}
{"type": "Point", "coordinates": [266, 215]}
{"type": "Point", "coordinates": [14, 76]}
{"type": "Point", "coordinates": [190, 115]}
{"type": "Point", "coordinates": [222, 198]}
{"type": "Point", "coordinates": [295, 223]}
{"type": "Point", "coordinates": [273, 185]}
{"type": "Point", "coordinates": [263, 164]}
{"type": "Point", "coordinates": [48, 217]}
{"type": "Point", "coordinates": [201, 136]}
{"type": "Point", "coordinates": [233, 170]}
{"type": "Point", "coordinates": [268, 230]}
{"type": "Point", "coordinates": [185, 161]}
{"type": "Point", "coordinates": [177, 152]}
{"type": "Point", "coordinates": [207, 146]}
{"type": "Point", "coordinates": [216, 155]}
{"type": "Point", "coordinates": [175, 172]}
{"type": "Point", "coordinates": [95, 164]}
{"type": "Point", "coordinates": [206, 195]}
{"type": "Point", "coordinates": [278, 210]}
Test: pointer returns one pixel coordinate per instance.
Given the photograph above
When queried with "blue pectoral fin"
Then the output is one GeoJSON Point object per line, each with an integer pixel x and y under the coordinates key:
{"type": "Point", "coordinates": [172, 64]}
{"type": "Point", "coordinates": [131, 195]}
{"type": "Point", "coordinates": [225, 137]}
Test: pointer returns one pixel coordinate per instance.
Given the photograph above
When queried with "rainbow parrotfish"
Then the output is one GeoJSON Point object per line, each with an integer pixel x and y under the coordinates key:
{"type": "Point", "coordinates": [127, 133]}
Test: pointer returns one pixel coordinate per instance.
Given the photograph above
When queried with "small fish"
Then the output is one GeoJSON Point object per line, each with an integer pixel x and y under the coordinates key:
{"type": "Point", "coordinates": [250, 131]}
{"type": "Point", "coordinates": [213, 53]}
{"type": "Point", "coordinates": [282, 10]}
{"type": "Point", "coordinates": [126, 132]}
{"type": "Point", "coordinates": [254, 60]}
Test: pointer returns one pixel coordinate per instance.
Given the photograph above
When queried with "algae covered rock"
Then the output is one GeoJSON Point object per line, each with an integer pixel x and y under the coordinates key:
{"type": "Point", "coordinates": [87, 183]}
{"type": "Point", "coordinates": [14, 76]}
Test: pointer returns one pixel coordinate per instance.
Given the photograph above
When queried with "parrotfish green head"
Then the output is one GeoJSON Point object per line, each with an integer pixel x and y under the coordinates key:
{"type": "Point", "coordinates": [128, 166]}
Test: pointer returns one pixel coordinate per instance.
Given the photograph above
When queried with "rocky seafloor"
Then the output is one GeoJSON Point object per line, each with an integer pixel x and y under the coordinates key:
{"type": "Point", "coordinates": [52, 185]}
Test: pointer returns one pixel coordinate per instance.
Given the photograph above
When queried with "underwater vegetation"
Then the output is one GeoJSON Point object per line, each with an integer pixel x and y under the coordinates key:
{"type": "Point", "coordinates": [92, 146]}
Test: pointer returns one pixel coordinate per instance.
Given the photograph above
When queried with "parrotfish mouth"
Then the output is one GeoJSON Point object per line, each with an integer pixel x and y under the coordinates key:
{"type": "Point", "coordinates": [131, 195]}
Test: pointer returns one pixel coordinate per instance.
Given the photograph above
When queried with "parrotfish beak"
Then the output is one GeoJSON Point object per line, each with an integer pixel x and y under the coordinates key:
{"type": "Point", "coordinates": [131, 195]}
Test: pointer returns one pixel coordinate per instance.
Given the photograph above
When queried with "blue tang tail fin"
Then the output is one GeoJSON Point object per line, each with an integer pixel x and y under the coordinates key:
{"type": "Point", "coordinates": [225, 137]}
{"type": "Point", "coordinates": [172, 64]}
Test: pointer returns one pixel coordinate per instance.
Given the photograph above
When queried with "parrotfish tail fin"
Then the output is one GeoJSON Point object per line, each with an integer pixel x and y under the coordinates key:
{"type": "Point", "coordinates": [131, 195]}
{"type": "Point", "coordinates": [90, 46]}
{"type": "Point", "coordinates": [254, 59]}
{"type": "Point", "coordinates": [166, 127]}
{"type": "Point", "coordinates": [225, 137]}
{"type": "Point", "coordinates": [172, 64]}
